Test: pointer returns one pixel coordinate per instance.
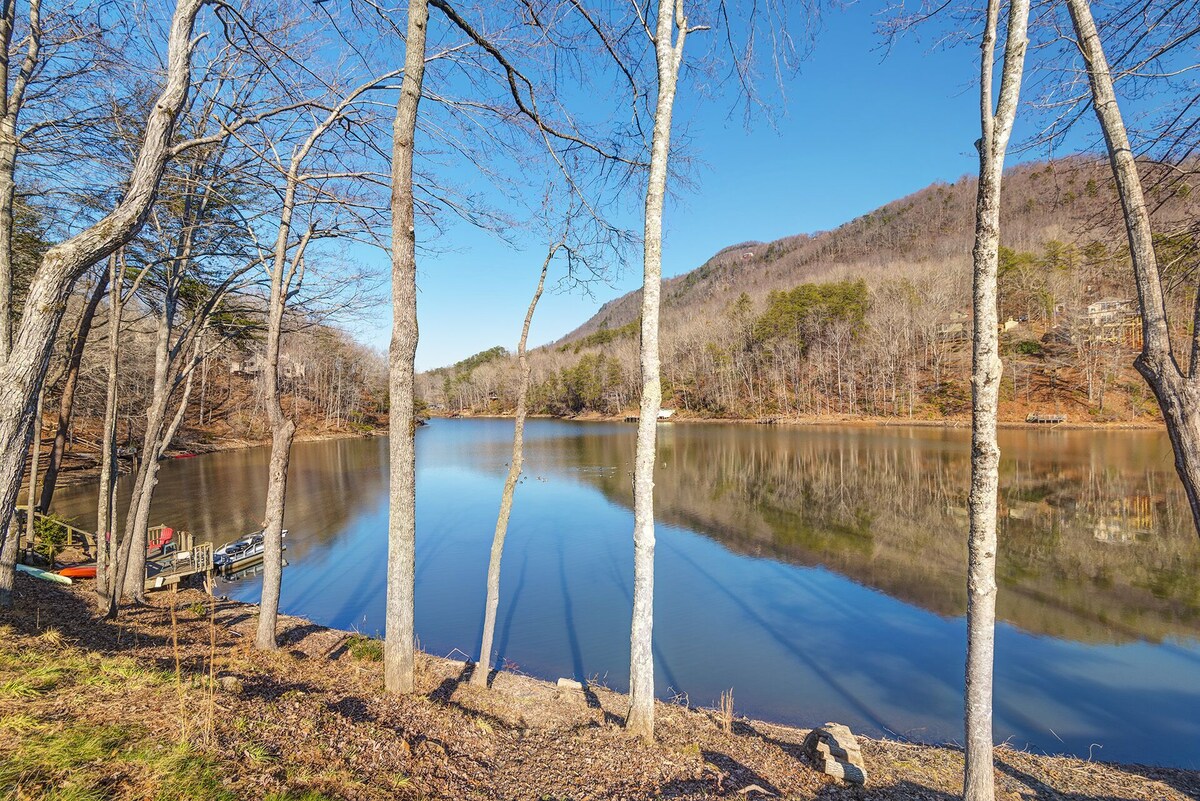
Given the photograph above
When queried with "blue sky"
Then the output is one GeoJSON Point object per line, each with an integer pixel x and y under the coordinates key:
{"type": "Point", "coordinates": [860, 128]}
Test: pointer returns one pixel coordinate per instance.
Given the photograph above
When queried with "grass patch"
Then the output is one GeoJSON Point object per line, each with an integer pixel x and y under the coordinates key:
{"type": "Point", "coordinates": [365, 649]}
{"type": "Point", "coordinates": [183, 771]}
{"type": "Point", "coordinates": [31, 683]}
{"type": "Point", "coordinates": [77, 761]}
{"type": "Point", "coordinates": [48, 758]}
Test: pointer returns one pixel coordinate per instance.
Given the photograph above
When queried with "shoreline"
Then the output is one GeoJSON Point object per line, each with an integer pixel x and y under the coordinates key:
{"type": "Point", "coordinates": [69, 476]}
{"type": "Point", "coordinates": [835, 421]}
{"type": "Point", "coordinates": [320, 699]}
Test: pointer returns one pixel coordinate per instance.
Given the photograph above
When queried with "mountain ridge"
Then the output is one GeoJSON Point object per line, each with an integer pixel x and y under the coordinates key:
{"type": "Point", "coordinates": [1067, 185]}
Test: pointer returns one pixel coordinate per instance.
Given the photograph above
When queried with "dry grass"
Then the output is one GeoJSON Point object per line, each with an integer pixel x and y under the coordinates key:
{"type": "Point", "coordinates": [725, 711]}
{"type": "Point", "coordinates": [87, 714]}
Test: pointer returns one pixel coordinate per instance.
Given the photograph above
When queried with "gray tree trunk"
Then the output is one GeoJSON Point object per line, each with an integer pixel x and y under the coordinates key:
{"type": "Point", "coordinates": [1178, 394]}
{"type": "Point", "coordinates": [24, 369]}
{"type": "Point", "coordinates": [66, 401]}
{"type": "Point", "coordinates": [284, 277]}
{"type": "Point", "coordinates": [35, 454]}
{"type": "Point", "coordinates": [399, 656]}
{"type": "Point", "coordinates": [132, 561]}
{"type": "Point", "coordinates": [283, 429]}
{"type": "Point", "coordinates": [106, 502]}
{"type": "Point", "coordinates": [979, 780]}
{"type": "Point", "coordinates": [480, 677]}
{"type": "Point", "coordinates": [12, 98]}
{"type": "Point", "coordinates": [669, 38]}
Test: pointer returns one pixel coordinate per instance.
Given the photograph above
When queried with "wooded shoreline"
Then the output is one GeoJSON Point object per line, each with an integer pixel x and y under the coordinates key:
{"type": "Point", "coordinates": [849, 422]}
{"type": "Point", "coordinates": [83, 475]}
{"type": "Point", "coordinates": [315, 724]}
{"type": "Point", "coordinates": [86, 474]}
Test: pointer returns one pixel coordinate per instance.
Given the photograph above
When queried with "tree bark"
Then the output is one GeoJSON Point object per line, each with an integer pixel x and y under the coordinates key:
{"type": "Point", "coordinates": [24, 369]}
{"type": "Point", "coordinates": [132, 560]}
{"type": "Point", "coordinates": [8, 563]}
{"type": "Point", "coordinates": [66, 401]}
{"type": "Point", "coordinates": [12, 98]}
{"type": "Point", "coordinates": [106, 502]}
{"type": "Point", "coordinates": [1178, 394]}
{"type": "Point", "coordinates": [35, 454]}
{"type": "Point", "coordinates": [669, 39]}
{"type": "Point", "coordinates": [399, 656]}
{"type": "Point", "coordinates": [996, 128]}
{"type": "Point", "coordinates": [283, 428]}
{"type": "Point", "coordinates": [479, 677]}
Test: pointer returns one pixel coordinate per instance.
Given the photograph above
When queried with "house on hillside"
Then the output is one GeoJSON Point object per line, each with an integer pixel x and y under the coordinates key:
{"type": "Point", "coordinates": [1110, 310]}
{"type": "Point", "coordinates": [255, 363]}
{"type": "Point", "coordinates": [956, 328]}
{"type": "Point", "coordinates": [1115, 320]}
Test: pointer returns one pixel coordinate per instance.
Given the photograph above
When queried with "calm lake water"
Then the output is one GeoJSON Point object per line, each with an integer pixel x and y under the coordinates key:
{"type": "Point", "coordinates": [819, 572]}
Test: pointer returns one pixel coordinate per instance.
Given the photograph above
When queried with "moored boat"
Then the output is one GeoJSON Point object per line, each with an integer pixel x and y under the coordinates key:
{"type": "Point", "coordinates": [241, 553]}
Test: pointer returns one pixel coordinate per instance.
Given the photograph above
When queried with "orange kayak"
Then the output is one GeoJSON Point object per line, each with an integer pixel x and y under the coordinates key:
{"type": "Point", "coordinates": [79, 572]}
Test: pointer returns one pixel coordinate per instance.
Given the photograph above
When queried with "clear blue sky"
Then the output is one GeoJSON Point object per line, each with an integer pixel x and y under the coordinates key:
{"type": "Point", "coordinates": [859, 130]}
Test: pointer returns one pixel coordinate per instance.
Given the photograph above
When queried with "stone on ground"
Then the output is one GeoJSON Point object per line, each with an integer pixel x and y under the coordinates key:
{"type": "Point", "coordinates": [833, 750]}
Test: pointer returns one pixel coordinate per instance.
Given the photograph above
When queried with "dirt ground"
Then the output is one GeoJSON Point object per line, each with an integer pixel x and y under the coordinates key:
{"type": "Point", "coordinates": [173, 701]}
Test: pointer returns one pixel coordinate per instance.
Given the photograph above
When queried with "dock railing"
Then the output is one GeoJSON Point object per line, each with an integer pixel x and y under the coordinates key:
{"type": "Point", "coordinates": [196, 559]}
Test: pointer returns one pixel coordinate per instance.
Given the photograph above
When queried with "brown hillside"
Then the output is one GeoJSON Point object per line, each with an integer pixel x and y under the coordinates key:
{"type": "Point", "coordinates": [1069, 200]}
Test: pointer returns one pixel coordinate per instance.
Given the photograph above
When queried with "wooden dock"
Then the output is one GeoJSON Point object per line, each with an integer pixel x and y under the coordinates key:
{"type": "Point", "coordinates": [189, 560]}
{"type": "Point", "coordinates": [186, 559]}
{"type": "Point", "coordinates": [1048, 419]}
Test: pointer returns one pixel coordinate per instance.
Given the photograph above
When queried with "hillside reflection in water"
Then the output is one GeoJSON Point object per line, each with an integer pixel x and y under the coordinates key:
{"type": "Point", "coordinates": [817, 571]}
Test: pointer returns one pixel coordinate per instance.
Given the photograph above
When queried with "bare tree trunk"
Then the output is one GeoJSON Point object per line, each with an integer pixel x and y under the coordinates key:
{"type": "Point", "coordinates": [66, 401]}
{"type": "Point", "coordinates": [283, 429]}
{"type": "Point", "coordinates": [34, 459]}
{"type": "Point", "coordinates": [979, 779]}
{"type": "Point", "coordinates": [131, 570]}
{"type": "Point", "coordinates": [480, 677]}
{"type": "Point", "coordinates": [12, 98]}
{"type": "Point", "coordinates": [24, 369]}
{"type": "Point", "coordinates": [1178, 394]}
{"type": "Point", "coordinates": [106, 511]}
{"type": "Point", "coordinates": [284, 277]}
{"type": "Point", "coordinates": [399, 657]}
{"type": "Point", "coordinates": [669, 38]}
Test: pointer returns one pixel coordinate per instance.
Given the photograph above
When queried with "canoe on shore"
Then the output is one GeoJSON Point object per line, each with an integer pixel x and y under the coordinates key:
{"type": "Point", "coordinates": [45, 575]}
{"type": "Point", "coordinates": [79, 571]}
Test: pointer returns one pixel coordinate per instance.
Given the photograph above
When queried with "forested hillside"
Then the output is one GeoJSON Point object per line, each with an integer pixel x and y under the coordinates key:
{"type": "Point", "coordinates": [872, 318]}
{"type": "Point", "coordinates": [332, 384]}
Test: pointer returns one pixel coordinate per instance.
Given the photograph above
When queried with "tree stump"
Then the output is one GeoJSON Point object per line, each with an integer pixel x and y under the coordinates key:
{"type": "Point", "coordinates": [833, 750]}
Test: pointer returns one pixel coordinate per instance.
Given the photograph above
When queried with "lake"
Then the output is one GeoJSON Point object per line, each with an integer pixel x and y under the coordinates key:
{"type": "Point", "coordinates": [819, 572]}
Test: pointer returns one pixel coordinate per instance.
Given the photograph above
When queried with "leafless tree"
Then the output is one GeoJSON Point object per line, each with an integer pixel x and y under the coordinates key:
{"type": "Point", "coordinates": [66, 403]}
{"type": "Point", "coordinates": [25, 363]}
{"type": "Point", "coordinates": [286, 271]}
{"type": "Point", "coordinates": [479, 677]}
{"type": "Point", "coordinates": [669, 35]}
{"type": "Point", "coordinates": [1176, 388]}
{"type": "Point", "coordinates": [399, 657]}
{"type": "Point", "coordinates": [998, 112]}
